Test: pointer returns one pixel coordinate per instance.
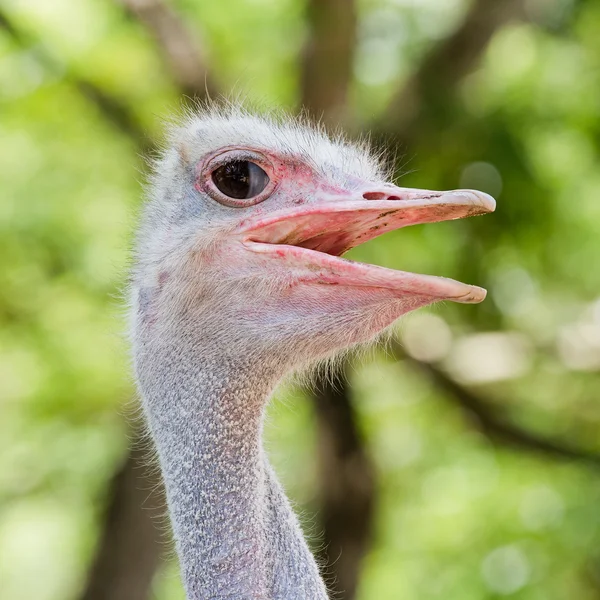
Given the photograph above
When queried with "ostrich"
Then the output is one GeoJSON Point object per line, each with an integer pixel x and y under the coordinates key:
{"type": "Point", "coordinates": [238, 281]}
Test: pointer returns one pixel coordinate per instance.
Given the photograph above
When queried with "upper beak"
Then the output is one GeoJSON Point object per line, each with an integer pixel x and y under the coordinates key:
{"type": "Point", "coordinates": [334, 224]}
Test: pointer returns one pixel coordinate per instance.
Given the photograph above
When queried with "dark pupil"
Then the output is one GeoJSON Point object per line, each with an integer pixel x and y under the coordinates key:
{"type": "Point", "coordinates": [240, 179]}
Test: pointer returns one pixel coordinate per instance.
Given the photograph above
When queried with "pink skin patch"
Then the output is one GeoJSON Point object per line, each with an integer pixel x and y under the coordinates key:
{"type": "Point", "coordinates": [163, 277]}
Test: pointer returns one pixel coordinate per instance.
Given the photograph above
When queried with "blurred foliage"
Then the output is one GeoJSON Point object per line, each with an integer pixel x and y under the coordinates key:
{"type": "Point", "coordinates": [459, 517]}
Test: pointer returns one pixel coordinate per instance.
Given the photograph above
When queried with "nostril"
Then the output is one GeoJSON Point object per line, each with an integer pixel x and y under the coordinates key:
{"type": "Point", "coordinates": [394, 198]}
{"type": "Point", "coordinates": [374, 195]}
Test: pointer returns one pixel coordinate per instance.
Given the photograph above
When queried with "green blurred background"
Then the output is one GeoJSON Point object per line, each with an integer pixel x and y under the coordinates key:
{"type": "Point", "coordinates": [479, 429]}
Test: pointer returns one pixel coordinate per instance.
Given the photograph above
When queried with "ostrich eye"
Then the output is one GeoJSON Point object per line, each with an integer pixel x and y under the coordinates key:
{"type": "Point", "coordinates": [240, 179]}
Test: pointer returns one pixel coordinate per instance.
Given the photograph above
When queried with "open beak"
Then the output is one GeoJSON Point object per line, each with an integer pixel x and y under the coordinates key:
{"type": "Point", "coordinates": [312, 237]}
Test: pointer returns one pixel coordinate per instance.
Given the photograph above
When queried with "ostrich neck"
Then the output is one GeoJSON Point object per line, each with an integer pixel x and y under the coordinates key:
{"type": "Point", "coordinates": [236, 534]}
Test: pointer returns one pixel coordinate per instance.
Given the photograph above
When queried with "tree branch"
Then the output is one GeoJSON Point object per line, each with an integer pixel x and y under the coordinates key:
{"type": "Point", "coordinates": [116, 112]}
{"type": "Point", "coordinates": [129, 550]}
{"type": "Point", "coordinates": [328, 58]}
{"type": "Point", "coordinates": [180, 50]}
{"type": "Point", "coordinates": [492, 422]}
{"type": "Point", "coordinates": [347, 486]}
{"type": "Point", "coordinates": [433, 84]}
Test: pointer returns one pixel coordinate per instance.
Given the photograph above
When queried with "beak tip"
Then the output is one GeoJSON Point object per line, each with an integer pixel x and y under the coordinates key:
{"type": "Point", "coordinates": [478, 203]}
{"type": "Point", "coordinates": [475, 295]}
{"type": "Point", "coordinates": [487, 202]}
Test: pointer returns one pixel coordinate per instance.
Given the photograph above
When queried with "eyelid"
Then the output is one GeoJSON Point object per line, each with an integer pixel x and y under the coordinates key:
{"type": "Point", "coordinates": [232, 155]}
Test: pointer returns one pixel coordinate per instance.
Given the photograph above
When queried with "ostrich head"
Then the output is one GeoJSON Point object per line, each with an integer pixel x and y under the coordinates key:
{"type": "Point", "coordinates": [242, 238]}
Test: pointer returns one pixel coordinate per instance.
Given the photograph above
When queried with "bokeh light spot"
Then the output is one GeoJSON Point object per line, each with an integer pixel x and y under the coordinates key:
{"type": "Point", "coordinates": [505, 570]}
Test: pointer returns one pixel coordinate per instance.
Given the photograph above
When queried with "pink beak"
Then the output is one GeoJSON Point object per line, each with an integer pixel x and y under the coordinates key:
{"type": "Point", "coordinates": [316, 233]}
